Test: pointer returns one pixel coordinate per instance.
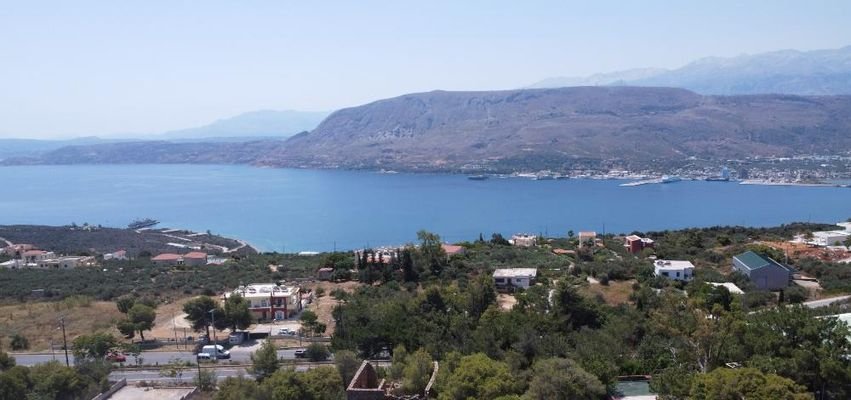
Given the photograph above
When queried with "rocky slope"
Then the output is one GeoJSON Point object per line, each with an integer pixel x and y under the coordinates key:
{"type": "Point", "coordinates": [447, 130]}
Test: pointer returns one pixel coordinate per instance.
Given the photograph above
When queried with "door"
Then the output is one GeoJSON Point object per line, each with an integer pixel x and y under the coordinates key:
{"type": "Point", "coordinates": [279, 315]}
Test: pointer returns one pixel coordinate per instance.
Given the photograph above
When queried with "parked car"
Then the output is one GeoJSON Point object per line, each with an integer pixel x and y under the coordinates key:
{"type": "Point", "coordinates": [116, 357]}
{"type": "Point", "coordinates": [213, 351]}
{"type": "Point", "coordinates": [286, 331]}
{"type": "Point", "coordinates": [301, 353]}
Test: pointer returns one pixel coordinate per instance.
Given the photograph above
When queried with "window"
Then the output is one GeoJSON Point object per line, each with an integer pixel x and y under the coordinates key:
{"type": "Point", "coordinates": [665, 274]}
{"type": "Point", "coordinates": [264, 303]}
{"type": "Point", "coordinates": [678, 274]}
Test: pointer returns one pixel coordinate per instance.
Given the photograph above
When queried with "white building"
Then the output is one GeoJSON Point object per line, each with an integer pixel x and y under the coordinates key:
{"type": "Point", "coordinates": [524, 240]}
{"type": "Point", "coordinates": [117, 255]}
{"type": "Point", "coordinates": [511, 278]}
{"type": "Point", "coordinates": [829, 238]}
{"type": "Point", "coordinates": [845, 225]}
{"type": "Point", "coordinates": [674, 269]}
{"type": "Point", "coordinates": [270, 300]}
{"type": "Point", "coordinates": [731, 287]}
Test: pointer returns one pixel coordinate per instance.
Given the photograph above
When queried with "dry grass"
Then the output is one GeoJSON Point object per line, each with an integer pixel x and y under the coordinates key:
{"type": "Point", "coordinates": [39, 322]}
{"type": "Point", "coordinates": [506, 301]}
{"type": "Point", "coordinates": [616, 292]}
{"type": "Point", "coordinates": [324, 306]}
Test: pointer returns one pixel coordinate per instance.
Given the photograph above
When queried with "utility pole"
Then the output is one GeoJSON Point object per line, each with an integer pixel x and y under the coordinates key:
{"type": "Point", "coordinates": [174, 327]}
{"type": "Point", "coordinates": [64, 341]}
{"type": "Point", "coordinates": [213, 323]}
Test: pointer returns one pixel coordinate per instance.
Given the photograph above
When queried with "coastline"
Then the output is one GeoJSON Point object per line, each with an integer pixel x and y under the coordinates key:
{"type": "Point", "coordinates": [801, 184]}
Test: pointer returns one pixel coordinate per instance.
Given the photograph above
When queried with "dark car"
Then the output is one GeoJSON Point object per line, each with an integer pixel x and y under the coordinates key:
{"type": "Point", "coordinates": [116, 357]}
{"type": "Point", "coordinates": [301, 353]}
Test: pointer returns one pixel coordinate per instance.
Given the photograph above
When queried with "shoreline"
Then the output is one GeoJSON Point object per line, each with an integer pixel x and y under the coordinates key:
{"type": "Point", "coordinates": [801, 184]}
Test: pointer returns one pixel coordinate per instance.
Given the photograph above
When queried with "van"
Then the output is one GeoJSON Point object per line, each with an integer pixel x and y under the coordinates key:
{"type": "Point", "coordinates": [213, 351]}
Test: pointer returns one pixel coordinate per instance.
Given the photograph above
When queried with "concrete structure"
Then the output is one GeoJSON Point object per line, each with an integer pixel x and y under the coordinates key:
{"type": "Point", "coordinates": [167, 259]}
{"type": "Point", "coordinates": [513, 278]}
{"type": "Point", "coordinates": [764, 272]}
{"type": "Point", "coordinates": [524, 240]}
{"type": "Point", "coordinates": [381, 254]}
{"type": "Point", "coordinates": [451, 249]}
{"type": "Point", "coordinates": [270, 300]}
{"type": "Point", "coordinates": [116, 255]}
{"type": "Point", "coordinates": [731, 287]}
{"type": "Point", "coordinates": [846, 226]}
{"type": "Point", "coordinates": [587, 237]}
{"type": "Point", "coordinates": [324, 274]}
{"type": "Point", "coordinates": [365, 385]}
{"type": "Point", "coordinates": [634, 244]}
{"type": "Point", "coordinates": [16, 250]}
{"type": "Point", "coordinates": [829, 238]}
{"type": "Point", "coordinates": [153, 393]}
{"type": "Point", "coordinates": [69, 262]}
{"type": "Point", "coordinates": [36, 256]}
{"type": "Point", "coordinates": [195, 258]}
{"type": "Point", "coordinates": [677, 270]}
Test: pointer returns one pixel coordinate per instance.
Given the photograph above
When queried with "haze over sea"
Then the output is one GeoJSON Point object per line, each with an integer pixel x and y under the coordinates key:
{"type": "Point", "coordinates": [315, 210]}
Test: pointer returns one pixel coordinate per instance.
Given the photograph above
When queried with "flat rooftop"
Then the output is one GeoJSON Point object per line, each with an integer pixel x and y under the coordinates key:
{"type": "Point", "coordinates": [515, 272]}
{"type": "Point", "coordinates": [263, 290]}
{"type": "Point", "coordinates": [673, 264]}
{"type": "Point", "coordinates": [147, 393]}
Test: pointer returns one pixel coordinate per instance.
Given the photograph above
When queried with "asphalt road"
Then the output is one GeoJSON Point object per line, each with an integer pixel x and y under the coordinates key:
{"type": "Point", "coordinates": [148, 358]}
{"type": "Point", "coordinates": [826, 302]}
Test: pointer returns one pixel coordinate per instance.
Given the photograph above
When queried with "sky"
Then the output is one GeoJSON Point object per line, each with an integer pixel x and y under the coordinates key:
{"type": "Point", "coordinates": [84, 68]}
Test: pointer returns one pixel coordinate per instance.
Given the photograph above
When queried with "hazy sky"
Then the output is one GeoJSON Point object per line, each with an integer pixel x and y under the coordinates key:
{"type": "Point", "coordinates": [71, 68]}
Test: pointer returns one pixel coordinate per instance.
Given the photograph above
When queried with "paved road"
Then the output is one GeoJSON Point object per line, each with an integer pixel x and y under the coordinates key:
{"type": "Point", "coordinates": [826, 302]}
{"type": "Point", "coordinates": [149, 357]}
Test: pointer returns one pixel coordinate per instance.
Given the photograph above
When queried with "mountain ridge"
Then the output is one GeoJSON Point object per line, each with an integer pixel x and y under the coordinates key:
{"type": "Point", "coordinates": [814, 72]}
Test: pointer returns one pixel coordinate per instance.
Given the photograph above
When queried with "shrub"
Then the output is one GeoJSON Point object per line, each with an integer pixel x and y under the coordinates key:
{"type": "Point", "coordinates": [317, 352]}
{"type": "Point", "coordinates": [19, 342]}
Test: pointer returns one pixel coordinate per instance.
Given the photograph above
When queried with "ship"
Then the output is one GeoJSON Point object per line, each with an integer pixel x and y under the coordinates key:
{"type": "Point", "coordinates": [142, 223]}
{"type": "Point", "coordinates": [477, 177]}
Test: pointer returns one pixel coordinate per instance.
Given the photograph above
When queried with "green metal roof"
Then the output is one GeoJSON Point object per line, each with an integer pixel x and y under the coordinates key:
{"type": "Point", "coordinates": [753, 261]}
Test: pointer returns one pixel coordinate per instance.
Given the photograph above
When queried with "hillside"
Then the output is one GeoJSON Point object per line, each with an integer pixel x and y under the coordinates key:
{"type": "Point", "coordinates": [564, 128]}
{"type": "Point", "coordinates": [817, 72]}
{"type": "Point", "coordinates": [150, 152]}
{"type": "Point", "coordinates": [541, 127]}
{"type": "Point", "coordinates": [99, 240]}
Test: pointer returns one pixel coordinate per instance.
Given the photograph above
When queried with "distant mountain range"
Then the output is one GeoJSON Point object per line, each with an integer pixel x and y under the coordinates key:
{"type": "Point", "coordinates": [522, 129]}
{"type": "Point", "coordinates": [723, 110]}
{"type": "Point", "coordinates": [247, 127]}
{"type": "Point", "coordinates": [561, 127]}
{"type": "Point", "coordinates": [256, 124]}
{"type": "Point", "coordinates": [818, 72]}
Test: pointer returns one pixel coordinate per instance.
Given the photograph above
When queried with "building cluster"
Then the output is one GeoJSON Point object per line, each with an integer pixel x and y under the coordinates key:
{"type": "Point", "coordinates": [764, 272]}
{"type": "Point", "coordinates": [836, 237]}
{"type": "Point", "coordinates": [28, 256]}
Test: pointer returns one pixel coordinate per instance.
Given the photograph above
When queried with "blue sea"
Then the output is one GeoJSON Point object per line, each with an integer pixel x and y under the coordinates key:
{"type": "Point", "coordinates": [295, 210]}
